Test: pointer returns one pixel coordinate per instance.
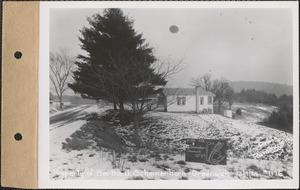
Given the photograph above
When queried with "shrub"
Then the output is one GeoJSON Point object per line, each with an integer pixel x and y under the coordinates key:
{"type": "Point", "coordinates": [255, 168]}
{"type": "Point", "coordinates": [165, 157]}
{"type": "Point", "coordinates": [181, 162]}
{"type": "Point", "coordinates": [133, 158]}
{"type": "Point", "coordinates": [183, 178]}
{"type": "Point", "coordinates": [238, 111]}
{"type": "Point", "coordinates": [76, 144]}
{"type": "Point", "coordinates": [154, 155]}
{"type": "Point", "coordinates": [187, 170]}
{"type": "Point", "coordinates": [92, 116]}
{"type": "Point", "coordinates": [79, 134]}
{"type": "Point", "coordinates": [283, 119]}
{"type": "Point", "coordinates": [136, 178]}
{"type": "Point", "coordinates": [115, 116]}
{"type": "Point", "coordinates": [143, 160]}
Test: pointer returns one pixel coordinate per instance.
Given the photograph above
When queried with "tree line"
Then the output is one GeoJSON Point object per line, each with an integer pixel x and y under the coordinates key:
{"type": "Point", "coordinates": [280, 119]}
{"type": "Point", "coordinates": [261, 97]}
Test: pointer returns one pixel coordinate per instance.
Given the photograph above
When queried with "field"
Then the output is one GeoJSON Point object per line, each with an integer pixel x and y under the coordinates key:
{"type": "Point", "coordinates": [96, 147]}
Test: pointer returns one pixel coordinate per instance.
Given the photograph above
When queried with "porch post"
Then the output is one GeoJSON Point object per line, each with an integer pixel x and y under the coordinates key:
{"type": "Point", "coordinates": [212, 102]}
{"type": "Point", "coordinates": [197, 99]}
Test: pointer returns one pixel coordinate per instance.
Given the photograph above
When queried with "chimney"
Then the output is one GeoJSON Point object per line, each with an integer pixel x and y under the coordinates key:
{"type": "Point", "coordinates": [197, 99]}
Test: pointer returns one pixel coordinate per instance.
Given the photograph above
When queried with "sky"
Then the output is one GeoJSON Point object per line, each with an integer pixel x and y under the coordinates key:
{"type": "Point", "coordinates": [238, 44]}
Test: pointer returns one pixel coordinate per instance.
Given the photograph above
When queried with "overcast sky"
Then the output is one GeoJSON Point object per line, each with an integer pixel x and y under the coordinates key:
{"type": "Point", "coordinates": [238, 44]}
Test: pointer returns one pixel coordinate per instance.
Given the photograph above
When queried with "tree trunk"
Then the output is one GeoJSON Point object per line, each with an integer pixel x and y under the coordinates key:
{"type": "Point", "coordinates": [165, 104]}
{"type": "Point", "coordinates": [115, 106]}
{"type": "Point", "coordinates": [219, 108]}
{"type": "Point", "coordinates": [230, 105]}
{"type": "Point", "coordinates": [60, 103]}
{"type": "Point", "coordinates": [122, 118]}
{"type": "Point", "coordinates": [137, 138]}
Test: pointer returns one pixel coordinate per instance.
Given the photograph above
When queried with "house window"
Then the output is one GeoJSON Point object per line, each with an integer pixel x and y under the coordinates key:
{"type": "Point", "coordinates": [209, 99]}
{"type": "Point", "coordinates": [201, 100]}
{"type": "Point", "coordinates": [181, 101]}
{"type": "Point", "coordinates": [178, 101]}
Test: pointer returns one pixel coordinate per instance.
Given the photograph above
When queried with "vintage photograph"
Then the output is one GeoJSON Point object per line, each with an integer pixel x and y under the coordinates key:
{"type": "Point", "coordinates": [170, 94]}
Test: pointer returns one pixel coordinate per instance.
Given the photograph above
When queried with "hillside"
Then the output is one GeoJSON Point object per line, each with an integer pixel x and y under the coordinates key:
{"type": "Point", "coordinates": [273, 88]}
{"type": "Point", "coordinates": [85, 144]}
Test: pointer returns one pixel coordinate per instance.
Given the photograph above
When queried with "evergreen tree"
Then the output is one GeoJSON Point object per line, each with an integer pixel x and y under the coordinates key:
{"type": "Point", "coordinates": [110, 42]}
{"type": "Point", "coordinates": [119, 66]}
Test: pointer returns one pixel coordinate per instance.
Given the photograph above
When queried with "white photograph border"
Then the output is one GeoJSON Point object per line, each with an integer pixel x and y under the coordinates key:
{"type": "Point", "coordinates": [43, 154]}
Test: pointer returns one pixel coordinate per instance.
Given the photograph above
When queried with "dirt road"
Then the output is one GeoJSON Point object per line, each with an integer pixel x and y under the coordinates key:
{"type": "Point", "coordinates": [69, 114]}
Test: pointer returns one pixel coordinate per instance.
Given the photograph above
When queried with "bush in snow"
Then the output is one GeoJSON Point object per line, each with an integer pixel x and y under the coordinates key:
{"type": "Point", "coordinates": [76, 144]}
{"type": "Point", "coordinates": [165, 157]}
{"type": "Point", "coordinates": [183, 178]}
{"type": "Point", "coordinates": [283, 119]}
{"type": "Point", "coordinates": [92, 116]}
{"type": "Point", "coordinates": [114, 116]}
{"type": "Point", "coordinates": [187, 170]}
{"type": "Point", "coordinates": [238, 111]}
{"type": "Point", "coordinates": [181, 162]}
{"type": "Point", "coordinates": [154, 155]}
{"type": "Point", "coordinates": [143, 160]}
{"type": "Point", "coordinates": [255, 168]}
{"type": "Point", "coordinates": [136, 178]}
{"type": "Point", "coordinates": [132, 158]}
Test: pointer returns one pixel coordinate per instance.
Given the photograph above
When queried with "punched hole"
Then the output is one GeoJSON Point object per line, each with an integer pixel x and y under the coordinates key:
{"type": "Point", "coordinates": [18, 136]}
{"type": "Point", "coordinates": [18, 55]}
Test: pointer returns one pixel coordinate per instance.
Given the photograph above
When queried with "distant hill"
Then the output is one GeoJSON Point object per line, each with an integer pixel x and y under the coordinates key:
{"type": "Point", "coordinates": [273, 88]}
{"type": "Point", "coordinates": [73, 99]}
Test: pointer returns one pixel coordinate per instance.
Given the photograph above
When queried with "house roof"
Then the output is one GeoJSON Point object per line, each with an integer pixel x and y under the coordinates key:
{"type": "Point", "coordinates": [185, 91]}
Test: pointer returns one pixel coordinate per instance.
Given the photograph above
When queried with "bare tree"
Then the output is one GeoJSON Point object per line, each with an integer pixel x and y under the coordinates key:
{"type": "Point", "coordinates": [204, 81]}
{"type": "Point", "coordinates": [61, 65]}
{"type": "Point", "coordinates": [220, 87]}
{"type": "Point", "coordinates": [230, 96]}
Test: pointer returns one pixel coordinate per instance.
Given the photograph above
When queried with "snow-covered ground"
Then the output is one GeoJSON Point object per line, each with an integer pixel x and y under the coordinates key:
{"type": "Point", "coordinates": [254, 152]}
{"type": "Point", "coordinates": [63, 163]}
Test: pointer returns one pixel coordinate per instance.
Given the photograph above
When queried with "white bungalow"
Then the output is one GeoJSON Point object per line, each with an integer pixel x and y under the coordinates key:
{"type": "Point", "coordinates": [187, 100]}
